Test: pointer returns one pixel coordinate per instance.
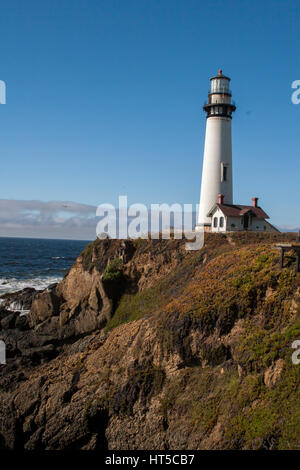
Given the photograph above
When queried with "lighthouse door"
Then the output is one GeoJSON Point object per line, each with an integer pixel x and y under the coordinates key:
{"type": "Point", "coordinates": [246, 221]}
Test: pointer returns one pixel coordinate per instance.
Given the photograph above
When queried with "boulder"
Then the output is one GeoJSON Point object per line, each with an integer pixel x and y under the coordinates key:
{"type": "Point", "coordinates": [20, 300]}
{"type": "Point", "coordinates": [22, 322]}
{"type": "Point", "coordinates": [9, 321]}
{"type": "Point", "coordinates": [45, 305]}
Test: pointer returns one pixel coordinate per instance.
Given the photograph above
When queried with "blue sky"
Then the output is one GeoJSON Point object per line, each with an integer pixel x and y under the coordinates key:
{"type": "Point", "coordinates": [105, 98]}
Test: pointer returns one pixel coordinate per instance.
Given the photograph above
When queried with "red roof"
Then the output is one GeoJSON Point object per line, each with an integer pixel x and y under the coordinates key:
{"type": "Point", "coordinates": [237, 210]}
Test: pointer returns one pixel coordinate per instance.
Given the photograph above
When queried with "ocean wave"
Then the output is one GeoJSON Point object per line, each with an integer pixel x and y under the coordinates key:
{"type": "Point", "coordinates": [14, 284]}
{"type": "Point", "coordinates": [15, 307]}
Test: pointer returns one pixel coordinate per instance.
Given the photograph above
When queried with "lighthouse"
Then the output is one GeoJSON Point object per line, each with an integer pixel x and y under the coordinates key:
{"type": "Point", "coordinates": [217, 160]}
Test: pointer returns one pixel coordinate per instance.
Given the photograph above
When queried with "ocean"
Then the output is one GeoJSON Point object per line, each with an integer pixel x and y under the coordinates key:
{"type": "Point", "coordinates": [31, 262]}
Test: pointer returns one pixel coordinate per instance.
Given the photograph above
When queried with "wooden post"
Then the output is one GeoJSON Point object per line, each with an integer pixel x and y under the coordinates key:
{"type": "Point", "coordinates": [297, 260]}
{"type": "Point", "coordinates": [282, 257]}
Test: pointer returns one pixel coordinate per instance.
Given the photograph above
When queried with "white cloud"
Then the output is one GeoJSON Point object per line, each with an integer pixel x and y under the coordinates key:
{"type": "Point", "coordinates": [53, 219]}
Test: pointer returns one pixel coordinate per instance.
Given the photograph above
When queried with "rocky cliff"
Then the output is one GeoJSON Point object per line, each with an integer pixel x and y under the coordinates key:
{"type": "Point", "coordinates": [144, 345]}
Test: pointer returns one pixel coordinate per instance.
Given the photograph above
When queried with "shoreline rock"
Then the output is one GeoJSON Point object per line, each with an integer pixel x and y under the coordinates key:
{"type": "Point", "coordinates": [19, 300]}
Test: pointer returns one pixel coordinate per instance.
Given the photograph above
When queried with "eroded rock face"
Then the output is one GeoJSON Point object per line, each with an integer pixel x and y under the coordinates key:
{"type": "Point", "coordinates": [190, 375]}
{"type": "Point", "coordinates": [79, 301]}
{"type": "Point", "coordinates": [85, 302]}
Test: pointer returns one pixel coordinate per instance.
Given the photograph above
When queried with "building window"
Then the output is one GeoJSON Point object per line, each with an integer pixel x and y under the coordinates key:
{"type": "Point", "coordinates": [265, 228]}
{"type": "Point", "coordinates": [224, 172]}
{"type": "Point", "coordinates": [221, 221]}
{"type": "Point", "coordinates": [215, 222]}
{"type": "Point", "coordinates": [232, 225]}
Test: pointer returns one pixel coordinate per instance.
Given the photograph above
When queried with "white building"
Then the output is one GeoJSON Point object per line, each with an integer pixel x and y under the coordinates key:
{"type": "Point", "coordinates": [236, 217]}
{"type": "Point", "coordinates": [217, 160]}
{"type": "Point", "coordinates": [217, 212]}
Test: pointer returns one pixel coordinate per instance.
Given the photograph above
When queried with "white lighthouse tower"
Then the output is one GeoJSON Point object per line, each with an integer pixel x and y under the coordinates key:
{"type": "Point", "coordinates": [217, 160]}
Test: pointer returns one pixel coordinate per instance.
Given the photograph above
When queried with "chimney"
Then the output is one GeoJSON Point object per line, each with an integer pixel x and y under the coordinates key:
{"type": "Point", "coordinates": [220, 198]}
{"type": "Point", "coordinates": [254, 201]}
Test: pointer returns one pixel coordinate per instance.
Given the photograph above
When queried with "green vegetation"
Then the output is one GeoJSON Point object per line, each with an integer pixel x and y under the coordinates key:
{"type": "Point", "coordinates": [250, 415]}
{"type": "Point", "coordinates": [267, 417]}
{"type": "Point", "coordinates": [113, 271]}
{"type": "Point", "coordinates": [134, 307]}
{"type": "Point", "coordinates": [87, 256]}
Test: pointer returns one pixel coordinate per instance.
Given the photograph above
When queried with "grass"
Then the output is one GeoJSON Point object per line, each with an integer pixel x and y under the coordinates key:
{"type": "Point", "coordinates": [134, 307]}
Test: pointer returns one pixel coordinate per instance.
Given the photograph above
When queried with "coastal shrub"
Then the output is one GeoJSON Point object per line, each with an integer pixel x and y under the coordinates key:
{"type": "Point", "coordinates": [113, 271]}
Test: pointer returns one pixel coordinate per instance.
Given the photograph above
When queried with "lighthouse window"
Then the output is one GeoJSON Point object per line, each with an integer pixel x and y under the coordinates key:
{"type": "Point", "coordinates": [221, 221]}
{"type": "Point", "coordinates": [215, 222]}
{"type": "Point", "coordinates": [224, 172]}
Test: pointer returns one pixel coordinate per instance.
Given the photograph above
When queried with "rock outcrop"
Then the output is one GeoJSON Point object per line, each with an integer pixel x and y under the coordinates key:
{"type": "Point", "coordinates": [21, 300]}
{"type": "Point", "coordinates": [144, 345]}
